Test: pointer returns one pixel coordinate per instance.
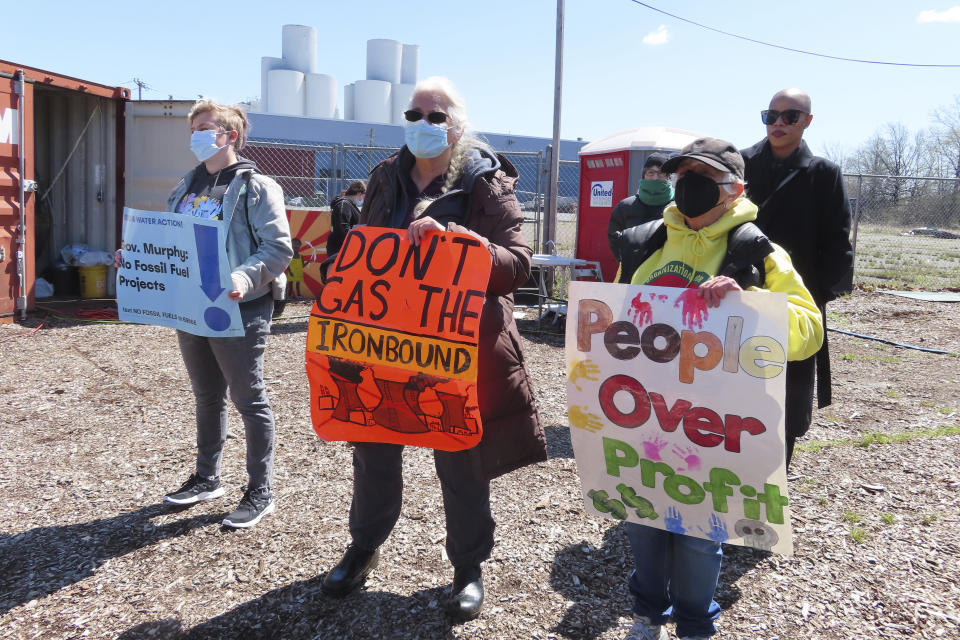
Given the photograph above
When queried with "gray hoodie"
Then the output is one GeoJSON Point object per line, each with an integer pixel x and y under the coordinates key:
{"type": "Point", "coordinates": [260, 259]}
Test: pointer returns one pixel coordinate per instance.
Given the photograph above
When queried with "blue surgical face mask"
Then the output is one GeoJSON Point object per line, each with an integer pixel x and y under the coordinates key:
{"type": "Point", "coordinates": [426, 140]}
{"type": "Point", "coordinates": [359, 203]}
{"type": "Point", "coordinates": [204, 144]}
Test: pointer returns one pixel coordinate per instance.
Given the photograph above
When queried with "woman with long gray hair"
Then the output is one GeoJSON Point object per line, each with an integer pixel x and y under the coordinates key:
{"type": "Point", "coordinates": [446, 180]}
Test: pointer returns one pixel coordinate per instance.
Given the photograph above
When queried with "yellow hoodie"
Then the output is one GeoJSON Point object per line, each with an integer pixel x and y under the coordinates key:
{"type": "Point", "coordinates": [691, 257]}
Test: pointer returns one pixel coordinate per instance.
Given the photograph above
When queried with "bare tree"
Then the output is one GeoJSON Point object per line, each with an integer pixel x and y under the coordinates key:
{"type": "Point", "coordinates": [947, 136]}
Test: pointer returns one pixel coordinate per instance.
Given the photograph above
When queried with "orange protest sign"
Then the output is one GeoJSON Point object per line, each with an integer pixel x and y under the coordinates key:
{"type": "Point", "coordinates": [392, 340]}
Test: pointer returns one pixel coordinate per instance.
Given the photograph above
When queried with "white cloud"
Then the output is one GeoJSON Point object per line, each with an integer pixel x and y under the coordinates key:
{"type": "Point", "coordinates": [949, 15]}
{"type": "Point", "coordinates": [660, 36]}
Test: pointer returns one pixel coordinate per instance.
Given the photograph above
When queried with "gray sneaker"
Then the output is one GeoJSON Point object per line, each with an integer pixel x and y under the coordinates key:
{"type": "Point", "coordinates": [195, 489]}
{"type": "Point", "coordinates": [642, 629]}
{"type": "Point", "coordinates": [255, 504]}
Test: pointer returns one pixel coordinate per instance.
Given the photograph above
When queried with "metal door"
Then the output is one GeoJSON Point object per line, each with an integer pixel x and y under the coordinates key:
{"type": "Point", "coordinates": [16, 230]}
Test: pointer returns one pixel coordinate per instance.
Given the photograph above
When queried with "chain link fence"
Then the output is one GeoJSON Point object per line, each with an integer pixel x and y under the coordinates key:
{"type": "Point", "coordinates": [906, 230]}
{"type": "Point", "coordinates": [307, 173]}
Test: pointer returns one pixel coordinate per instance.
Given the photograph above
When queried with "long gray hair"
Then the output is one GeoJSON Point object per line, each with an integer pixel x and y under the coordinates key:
{"type": "Point", "coordinates": [457, 110]}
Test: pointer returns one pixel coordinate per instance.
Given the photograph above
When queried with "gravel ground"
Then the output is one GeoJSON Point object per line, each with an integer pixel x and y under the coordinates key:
{"type": "Point", "coordinates": [98, 424]}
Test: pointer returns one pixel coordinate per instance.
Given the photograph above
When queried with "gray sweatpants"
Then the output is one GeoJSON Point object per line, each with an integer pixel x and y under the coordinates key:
{"type": "Point", "coordinates": [216, 364]}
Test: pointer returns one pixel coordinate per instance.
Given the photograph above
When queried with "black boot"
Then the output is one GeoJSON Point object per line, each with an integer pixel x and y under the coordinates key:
{"type": "Point", "coordinates": [351, 572]}
{"type": "Point", "coordinates": [466, 594]}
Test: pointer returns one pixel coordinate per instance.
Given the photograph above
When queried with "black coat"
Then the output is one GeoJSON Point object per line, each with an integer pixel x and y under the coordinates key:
{"type": "Point", "coordinates": [630, 212]}
{"type": "Point", "coordinates": [809, 216]}
{"type": "Point", "coordinates": [344, 215]}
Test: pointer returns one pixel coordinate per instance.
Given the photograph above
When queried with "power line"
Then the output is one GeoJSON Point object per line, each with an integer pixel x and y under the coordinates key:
{"type": "Point", "coordinates": [777, 46]}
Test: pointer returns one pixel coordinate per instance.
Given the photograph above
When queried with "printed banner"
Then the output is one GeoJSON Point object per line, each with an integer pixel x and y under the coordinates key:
{"type": "Point", "coordinates": [174, 273]}
{"type": "Point", "coordinates": [392, 340]}
{"type": "Point", "coordinates": [309, 229]}
{"type": "Point", "coordinates": [677, 410]}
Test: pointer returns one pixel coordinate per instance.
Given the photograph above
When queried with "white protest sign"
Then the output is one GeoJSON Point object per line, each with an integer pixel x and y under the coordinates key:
{"type": "Point", "coordinates": [174, 273]}
{"type": "Point", "coordinates": [676, 410]}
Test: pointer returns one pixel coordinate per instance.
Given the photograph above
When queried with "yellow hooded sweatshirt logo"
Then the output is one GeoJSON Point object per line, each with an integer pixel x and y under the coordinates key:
{"type": "Point", "coordinates": [688, 257]}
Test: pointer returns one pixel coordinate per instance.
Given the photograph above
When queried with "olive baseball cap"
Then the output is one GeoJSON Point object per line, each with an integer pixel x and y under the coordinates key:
{"type": "Point", "coordinates": [715, 152]}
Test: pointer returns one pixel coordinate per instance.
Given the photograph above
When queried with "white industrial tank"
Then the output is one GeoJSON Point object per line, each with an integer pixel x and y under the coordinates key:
{"type": "Point", "coordinates": [371, 101]}
{"type": "Point", "coordinates": [409, 63]}
{"type": "Point", "coordinates": [383, 60]}
{"type": "Point", "coordinates": [400, 95]}
{"type": "Point", "coordinates": [348, 111]}
{"type": "Point", "coordinates": [267, 64]}
{"type": "Point", "coordinates": [285, 91]}
{"type": "Point", "coordinates": [321, 95]}
{"type": "Point", "coordinates": [299, 48]}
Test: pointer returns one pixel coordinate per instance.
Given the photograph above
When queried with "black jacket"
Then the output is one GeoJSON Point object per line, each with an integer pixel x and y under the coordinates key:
{"type": "Point", "coordinates": [344, 215]}
{"type": "Point", "coordinates": [809, 215]}
{"type": "Point", "coordinates": [804, 209]}
{"type": "Point", "coordinates": [630, 212]}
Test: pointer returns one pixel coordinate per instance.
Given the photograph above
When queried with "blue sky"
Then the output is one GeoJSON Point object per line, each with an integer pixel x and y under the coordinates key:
{"type": "Point", "coordinates": [625, 65]}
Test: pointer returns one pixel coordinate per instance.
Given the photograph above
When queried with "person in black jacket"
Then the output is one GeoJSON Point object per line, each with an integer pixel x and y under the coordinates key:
{"type": "Point", "coordinates": [804, 209]}
{"type": "Point", "coordinates": [653, 193]}
{"type": "Point", "coordinates": [345, 214]}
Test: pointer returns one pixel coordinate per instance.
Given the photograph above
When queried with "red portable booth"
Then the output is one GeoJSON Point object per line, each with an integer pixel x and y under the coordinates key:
{"type": "Point", "coordinates": [610, 170]}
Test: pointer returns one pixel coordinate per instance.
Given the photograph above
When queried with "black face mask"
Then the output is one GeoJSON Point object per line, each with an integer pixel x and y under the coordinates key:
{"type": "Point", "coordinates": [696, 194]}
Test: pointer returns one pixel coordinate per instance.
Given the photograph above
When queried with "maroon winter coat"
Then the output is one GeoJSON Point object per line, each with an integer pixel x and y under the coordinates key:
{"type": "Point", "coordinates": [483, 204]}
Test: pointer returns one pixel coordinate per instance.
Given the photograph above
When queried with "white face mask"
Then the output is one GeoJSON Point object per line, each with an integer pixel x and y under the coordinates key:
{"type": "Point", "coordinates": [204, 144]}
{"type": "Point", "coordinates": [425, 140]}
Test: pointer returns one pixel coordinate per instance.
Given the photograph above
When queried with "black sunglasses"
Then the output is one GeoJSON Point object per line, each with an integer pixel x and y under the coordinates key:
{"type": "Point", "coordinates": [790, 116]}
{"type": "Point", "coordinates": [434, 117]}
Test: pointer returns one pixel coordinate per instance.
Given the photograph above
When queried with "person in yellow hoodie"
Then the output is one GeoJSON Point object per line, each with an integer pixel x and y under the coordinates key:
{"type": "Point", "coordinates": [705, 241]}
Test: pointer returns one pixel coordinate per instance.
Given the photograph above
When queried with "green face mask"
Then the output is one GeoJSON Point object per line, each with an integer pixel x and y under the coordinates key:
{"type": "Point", "coordinates": [655, 192]}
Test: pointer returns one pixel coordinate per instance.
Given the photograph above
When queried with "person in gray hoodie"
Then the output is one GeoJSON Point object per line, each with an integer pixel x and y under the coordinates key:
{"type": "Point", "coordinates": [225, 186]}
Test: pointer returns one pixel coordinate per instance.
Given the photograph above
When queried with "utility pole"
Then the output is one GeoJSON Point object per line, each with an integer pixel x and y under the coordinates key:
{"type": "Point", "coordinates": [550, 228]}
{"type": "Point", "coordinates": [141, 85]}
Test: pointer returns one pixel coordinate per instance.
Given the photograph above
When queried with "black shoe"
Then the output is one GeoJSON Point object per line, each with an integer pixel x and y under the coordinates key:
{"type": "Point", "coordinates": [351, 572]}
{"type": "Point", "coordinates": [195, 489]}
{"type": "Point", "coordinates": [466, 594]}
{"type": "Point", "coordinates": [255, 504]}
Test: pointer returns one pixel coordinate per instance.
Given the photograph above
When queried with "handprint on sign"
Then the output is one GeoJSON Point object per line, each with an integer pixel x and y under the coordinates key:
{"type": "Point", "coordinates": [694, 310]}
{"type": "Point", "coordinates": [652, 448]}
{"type": "Point", "coordinates": [674, 521]}
{"type": "Point", "coordinates": [583, 419]}
{"type": "Point", "coordinates": [689, 457]}
{"type": "Point", "coordinates": [583, 369]}
{"type": "Point", "coordinates": [641, 312]}
{"type": "Point", "coordinates": [718, 529]}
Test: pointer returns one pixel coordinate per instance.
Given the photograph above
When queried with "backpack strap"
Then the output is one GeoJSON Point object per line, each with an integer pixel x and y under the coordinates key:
{"type": "Point", "coordinates": [747, 246]}
{"type": "Point", "coordinates": [637, 244]}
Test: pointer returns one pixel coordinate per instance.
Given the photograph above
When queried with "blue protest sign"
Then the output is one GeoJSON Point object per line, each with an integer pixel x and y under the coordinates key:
{"type": "Point", "coordinates": [174, 273]}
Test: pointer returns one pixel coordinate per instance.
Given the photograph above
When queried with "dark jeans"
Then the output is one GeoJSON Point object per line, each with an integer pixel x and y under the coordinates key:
{"type": "Point", "coordinates": [378, 494]}
{"type": "Point", "coordinates": [218, 364]}
{"type": "Point", "coordinates": [674, 576]}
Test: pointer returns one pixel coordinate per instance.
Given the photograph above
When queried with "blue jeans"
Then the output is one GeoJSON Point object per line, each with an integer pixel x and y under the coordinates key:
{"type": "Point", "coordinates": [674, 575]}
{"type": "Point", "coordinates": [216, 364]}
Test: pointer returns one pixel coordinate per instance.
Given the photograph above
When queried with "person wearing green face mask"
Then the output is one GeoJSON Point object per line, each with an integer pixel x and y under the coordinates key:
{"type": "Point", "coordinates": [653, 194]}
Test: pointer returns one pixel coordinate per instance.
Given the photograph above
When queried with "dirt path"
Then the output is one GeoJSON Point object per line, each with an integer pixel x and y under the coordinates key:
{"type": "Point", "coordinates": [98, 424]}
